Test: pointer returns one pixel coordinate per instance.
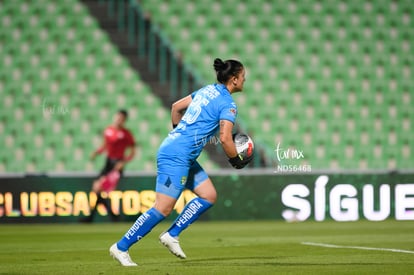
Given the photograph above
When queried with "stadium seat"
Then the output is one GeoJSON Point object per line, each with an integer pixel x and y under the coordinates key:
{"type": "Point", "coordinates": [342, 67]}
{"type": "Point", "coordinates": [325, 58]}
{"type": "Point", "coordinates": [71, 80]}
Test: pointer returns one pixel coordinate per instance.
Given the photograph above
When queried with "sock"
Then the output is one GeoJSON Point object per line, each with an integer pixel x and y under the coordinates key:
{"type": "Point", "coordinates": [99, 200]}
{"type": "Point", "coordinates": [142, 226]}
{"type": "Point", "coordinates": [192, 211]}
{"type": "Point", "coordinates": [103, 201]}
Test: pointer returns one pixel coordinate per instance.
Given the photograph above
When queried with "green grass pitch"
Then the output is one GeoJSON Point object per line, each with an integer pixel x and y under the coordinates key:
{"type": "Point", "coordinates": [253, 247]}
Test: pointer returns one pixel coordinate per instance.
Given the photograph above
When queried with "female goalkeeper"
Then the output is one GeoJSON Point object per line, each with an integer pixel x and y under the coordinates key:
{"type": "Point", "coordinates": [195, 118]}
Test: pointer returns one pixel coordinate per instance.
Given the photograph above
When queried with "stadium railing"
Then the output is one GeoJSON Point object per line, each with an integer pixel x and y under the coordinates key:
{"type": "Point", "coordinates": [165, 60]}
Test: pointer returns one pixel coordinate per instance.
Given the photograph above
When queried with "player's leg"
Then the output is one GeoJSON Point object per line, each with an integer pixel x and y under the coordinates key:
{"type": "Point", "coordinates": [202, 186]}
{"type": "Point", "coordinates": [97, 188]}
{"type": "Point", "coordinates": [200, 183]}
{"type": "Point", "coordinates": [104, 184]}
{"type": "Point", "coordinates": [165, 200]}
{"type": "Point", "coordinates": [108, 184]}
{"type": "Point", "coordinates": [168, 189]}
{"type": "Point", "coordinates": [142, 226]}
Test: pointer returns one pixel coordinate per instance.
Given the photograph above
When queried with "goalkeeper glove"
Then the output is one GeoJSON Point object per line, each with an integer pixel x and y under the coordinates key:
{"type": "Point", "coordinates": [238, 162]}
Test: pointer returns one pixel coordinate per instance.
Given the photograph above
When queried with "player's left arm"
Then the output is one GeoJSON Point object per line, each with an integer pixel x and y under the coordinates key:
{"type": "Point", "coordinates": [178, 109]}
{"type": "Point", "coordinates": [227, 118]}
{"type": "Point", "coordinates": [131, 153]}
{"type": "Point", "coordinates": [226, 138]}
{"type": "Point", "coordinates": [131, 148]}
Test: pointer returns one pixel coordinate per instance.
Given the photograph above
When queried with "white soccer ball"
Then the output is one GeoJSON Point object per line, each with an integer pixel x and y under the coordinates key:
{"type": "Point", "coordinates": [244, 145]}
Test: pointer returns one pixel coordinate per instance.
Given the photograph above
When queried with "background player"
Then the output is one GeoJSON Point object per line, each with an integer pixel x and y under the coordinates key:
{"type": "Point", "coordinates": [116, 141]}
{"type": "Point", "coordinates": [207, 110]}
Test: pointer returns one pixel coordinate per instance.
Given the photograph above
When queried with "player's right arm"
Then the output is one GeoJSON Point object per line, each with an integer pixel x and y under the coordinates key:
{"type": "Point", "coordinates": [100, 149]}
{"type": "Point", "coordinates": [178, 109]}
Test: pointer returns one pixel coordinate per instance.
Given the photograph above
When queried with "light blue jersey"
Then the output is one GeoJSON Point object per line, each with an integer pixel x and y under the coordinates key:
{"type": "Point", "coordinates": [200, 122]}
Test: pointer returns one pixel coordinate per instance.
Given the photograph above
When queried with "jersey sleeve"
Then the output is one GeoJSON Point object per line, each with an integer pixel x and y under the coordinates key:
{"type": "Point", "coordinates": [229, 112]}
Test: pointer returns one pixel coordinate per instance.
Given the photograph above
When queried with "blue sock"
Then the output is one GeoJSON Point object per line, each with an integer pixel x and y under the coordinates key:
{"type": "Point", "coordinates": [192, 211]}
{"type": "Point", "coordinates": [142, 226]}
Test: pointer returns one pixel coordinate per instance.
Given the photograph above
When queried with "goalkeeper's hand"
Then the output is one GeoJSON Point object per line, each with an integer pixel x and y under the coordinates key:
{"type": "Point", "coordinates": [238, 162]}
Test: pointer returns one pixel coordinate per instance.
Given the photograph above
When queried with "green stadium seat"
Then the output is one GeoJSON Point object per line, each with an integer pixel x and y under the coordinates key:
{"type": "Point", "coordinates": [56, 72]}
{"type": "Point", "coordinates": [314, 62]}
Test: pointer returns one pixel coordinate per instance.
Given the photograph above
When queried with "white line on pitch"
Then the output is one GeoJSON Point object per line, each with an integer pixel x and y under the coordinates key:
{"type": "Point", "coordinates": [358, 247]}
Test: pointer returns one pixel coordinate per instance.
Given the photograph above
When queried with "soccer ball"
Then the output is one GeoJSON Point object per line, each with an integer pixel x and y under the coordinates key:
{"type": "Point", "coordinates": [244, 146]}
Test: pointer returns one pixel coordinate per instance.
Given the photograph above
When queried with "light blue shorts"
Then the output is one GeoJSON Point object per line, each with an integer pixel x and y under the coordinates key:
{"type": "Point", "coordinates": [180, 178]}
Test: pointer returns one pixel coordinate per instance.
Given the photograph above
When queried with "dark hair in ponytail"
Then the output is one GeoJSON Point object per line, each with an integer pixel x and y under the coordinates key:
{"type": "Point", "coordinates": [226, 69]}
